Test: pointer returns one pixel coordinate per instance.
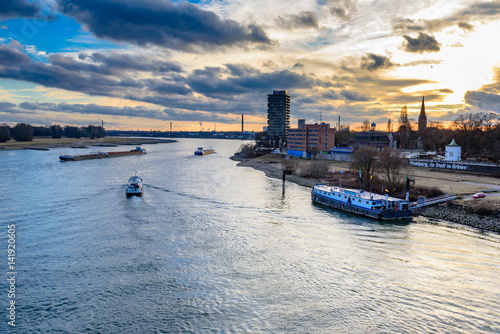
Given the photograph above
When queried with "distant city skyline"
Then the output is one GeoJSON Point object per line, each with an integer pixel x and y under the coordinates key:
{"type": "Point", "coordinates": [143, 64]}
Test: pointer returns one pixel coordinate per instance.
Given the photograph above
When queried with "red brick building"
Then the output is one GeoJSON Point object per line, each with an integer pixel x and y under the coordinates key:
{"type": "Point", "coordinates": [308, 139]}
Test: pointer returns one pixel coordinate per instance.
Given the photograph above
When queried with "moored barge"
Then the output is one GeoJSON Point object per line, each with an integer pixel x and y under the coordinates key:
{"type": "Point", "coordinates": [102, 155]}
{"type": "Point", "coordinates": [362, 202]}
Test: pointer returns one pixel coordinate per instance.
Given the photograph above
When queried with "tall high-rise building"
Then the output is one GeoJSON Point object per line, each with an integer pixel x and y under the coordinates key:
{"type": "Point", "coordinates": [422, 119]}
{"type": "Point", "coordinates": [278, 115]}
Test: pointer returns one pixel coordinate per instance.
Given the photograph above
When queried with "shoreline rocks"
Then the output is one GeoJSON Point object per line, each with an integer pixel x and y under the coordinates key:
{"type": "Point", "coordinates": [457, 213]}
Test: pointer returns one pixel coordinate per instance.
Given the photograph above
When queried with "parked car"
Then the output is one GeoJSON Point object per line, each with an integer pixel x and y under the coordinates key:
{"type": "Point", "coordinates": [479, 195]}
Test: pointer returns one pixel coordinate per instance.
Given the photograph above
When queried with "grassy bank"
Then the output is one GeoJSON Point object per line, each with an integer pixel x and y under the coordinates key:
{"type": "Point", "coordinates": [47, 142]}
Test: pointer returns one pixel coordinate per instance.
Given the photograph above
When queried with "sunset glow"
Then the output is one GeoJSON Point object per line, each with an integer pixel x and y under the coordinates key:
{"type": "Point", "coordinates": [144, 64]}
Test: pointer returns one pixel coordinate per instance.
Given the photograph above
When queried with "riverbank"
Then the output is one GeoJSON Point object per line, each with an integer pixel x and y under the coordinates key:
{"type": "Point", "coordinates": [45, 143]}
{"type": "Point", "coordinates": [479, 213]}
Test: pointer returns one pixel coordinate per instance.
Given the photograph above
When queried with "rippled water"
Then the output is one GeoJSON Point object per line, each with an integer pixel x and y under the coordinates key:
{"type": "Point", "coordinates": [212, 247]}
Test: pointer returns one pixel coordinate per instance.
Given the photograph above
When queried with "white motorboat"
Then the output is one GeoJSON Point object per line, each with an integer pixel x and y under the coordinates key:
{"type": "Point", "coordinates": [134, 186]}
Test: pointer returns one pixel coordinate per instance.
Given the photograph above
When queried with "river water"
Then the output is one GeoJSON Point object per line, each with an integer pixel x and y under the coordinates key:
{"type": "Point", "coordinates": [215, 248]}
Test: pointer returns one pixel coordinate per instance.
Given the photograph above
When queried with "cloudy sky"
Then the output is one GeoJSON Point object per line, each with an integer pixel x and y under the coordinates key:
{"type": "Point", "coordinates": [141, 64]}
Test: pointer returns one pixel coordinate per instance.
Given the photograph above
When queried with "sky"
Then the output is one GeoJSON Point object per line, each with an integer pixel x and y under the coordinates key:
{"type": "Point", "coordinates": [146, 64]}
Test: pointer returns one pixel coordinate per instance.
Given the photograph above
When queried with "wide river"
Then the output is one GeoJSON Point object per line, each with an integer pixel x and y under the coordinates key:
{"type": "Point", "coordinates": [216, 248]}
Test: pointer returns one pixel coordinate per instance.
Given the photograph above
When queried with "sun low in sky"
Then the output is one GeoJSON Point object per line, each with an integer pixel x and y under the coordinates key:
{"type": "Point", "coordinates": [141, 64]}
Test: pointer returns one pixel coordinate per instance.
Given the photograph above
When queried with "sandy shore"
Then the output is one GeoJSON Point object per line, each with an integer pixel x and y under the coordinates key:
{"type": "Point", "coordinates": [482, 213]}
{"type": "Point", "coordinates": [44, 143]}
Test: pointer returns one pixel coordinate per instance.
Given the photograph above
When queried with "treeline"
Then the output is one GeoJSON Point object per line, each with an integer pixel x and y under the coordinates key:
{"type": "Point", "coordinates": [477, 134]}
{"type": "Point", "coordinates": [26, 132]}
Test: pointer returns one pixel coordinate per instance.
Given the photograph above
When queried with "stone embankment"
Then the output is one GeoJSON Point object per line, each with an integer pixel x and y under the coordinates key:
{"type": "Point", "coordinates": [463, 215]}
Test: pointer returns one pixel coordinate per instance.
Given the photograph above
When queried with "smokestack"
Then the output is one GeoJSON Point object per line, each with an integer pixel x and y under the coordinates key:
{"type": "Point", "coordinates": [242, 116]}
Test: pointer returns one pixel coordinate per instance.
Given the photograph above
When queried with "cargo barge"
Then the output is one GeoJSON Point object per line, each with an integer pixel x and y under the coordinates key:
{"type": "Point", "coordinates": [201, 151]}
{"type": "Point", "coordinates": [102, 155]}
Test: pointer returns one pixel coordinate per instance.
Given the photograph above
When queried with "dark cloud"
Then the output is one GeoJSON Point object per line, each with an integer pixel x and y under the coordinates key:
{"type": "Point", "coordinates": [209, 83]}
{"type": "Point", "coordinates": [354, 96]}
{"type": "Point", "coordinates": [220, 90]}
{"type": "Point", "coordinates": [241, 69]}
{"type": "Point", "coordinates": [422, 62]}
{"type": "Point", "coordinates": [135, 62]}
{"type": "Point", "coordinates": [18, 8]}
{"type": "Point", "coordinates": [98, 74]}
{"type": "Point", "coordinates": [477, 11]}
{"type": "Point", "coordinates": [94, 109]}
{"type": "Point", "coordinates": [298, 65]}
{"type": "Point", "coordinates": [182, 26]}
{"type": "Point", "coordinates": [11, 56]}
{"type": "Point", "coordinates": [299, 21]}
{"type": "Point", "coordinates": [409, 25]}
{"type": "Point", "coordinates": [6, 106]}
{"type": "Point", "coordinates": [481, 9]}
{"type": "Point", "coordinates": [332, 95]}
{"type": "Point", "coordinates": [112, 63]}
{"type": "Point", "coordinates": [372, 62]}
{"type": "Point", "coordinates": [423, 43]}
{"type": "Point", "coordinates": [342, 9]}
{"type": "Point", "coordinates": [198, 116]}
{"type": "Point", "coordinates": [466, 26]}
{"type": "Point", "coordinates": [483, 100]}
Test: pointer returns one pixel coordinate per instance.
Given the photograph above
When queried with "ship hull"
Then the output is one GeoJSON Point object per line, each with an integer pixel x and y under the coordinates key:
{"type": "Point", "coordinates": [375, 214]}
{"type": "Point", "coordinates": [102, 155]}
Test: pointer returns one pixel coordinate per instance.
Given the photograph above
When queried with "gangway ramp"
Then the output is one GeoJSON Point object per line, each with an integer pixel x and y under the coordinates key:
{"type": "Point", "coordinates": [431, 201]}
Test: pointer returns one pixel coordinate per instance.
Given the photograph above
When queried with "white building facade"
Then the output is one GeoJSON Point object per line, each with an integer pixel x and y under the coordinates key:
{"type": "Point", "coordinates": [453, 151]}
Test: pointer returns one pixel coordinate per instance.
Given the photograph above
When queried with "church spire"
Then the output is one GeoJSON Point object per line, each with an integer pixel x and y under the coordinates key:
{"type": "Point", "coordinates": [422, 119]}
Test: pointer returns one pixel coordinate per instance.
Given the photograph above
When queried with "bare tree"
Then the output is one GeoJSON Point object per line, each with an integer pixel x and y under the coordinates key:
{"type": "Point", "coordinates": [364, 160]}
{"type": "Point", "coordinates": [391, 166]}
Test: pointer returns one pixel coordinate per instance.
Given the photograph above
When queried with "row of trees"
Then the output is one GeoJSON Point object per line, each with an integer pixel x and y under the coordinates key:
{"type": "Point", "coordinates": [478, 134]}
{"type": "Point", "coordinates": [26, 132]}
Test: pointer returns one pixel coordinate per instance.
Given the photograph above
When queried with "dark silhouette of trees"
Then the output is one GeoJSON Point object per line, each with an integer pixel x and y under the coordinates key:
{"type": "Point", "coordinates": [22, 132]}
{"type": "Point", "coordinates": [343, 137]}
{"type": "Point", "coordinates": [41, 131]}
{"type": "Point", "coordinates": [93, 131]}
{"type": "Point", "coordinates": [4, 133]}
{"type": "Point", "coordinates": [56, 131]}
{"type": "Point", "coordinates": [72, 132]}
{"type": "Point", "coordinates": [248, 150]}
{"type": "Point", "coordinates": [477, 134]}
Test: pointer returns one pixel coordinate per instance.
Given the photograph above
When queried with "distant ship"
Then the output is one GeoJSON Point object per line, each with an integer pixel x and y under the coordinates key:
{"type": "Point", "coordinates": [134, 186]}
{"type": "Point", "coordinates": [101, 155]}
{"type": "Point", "coordinates": [201, 151]}
{"type": "Point", "coordinates": [362, 202]}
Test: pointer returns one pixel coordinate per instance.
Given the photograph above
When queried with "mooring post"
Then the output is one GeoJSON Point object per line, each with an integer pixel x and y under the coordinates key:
{"type": "Point", "coordinates": [284, 169]}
